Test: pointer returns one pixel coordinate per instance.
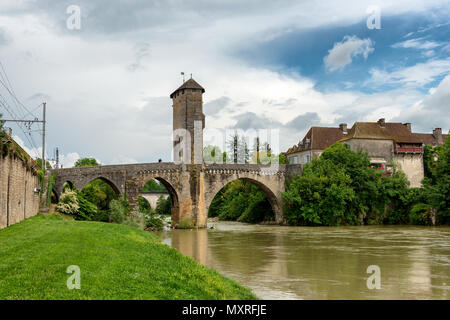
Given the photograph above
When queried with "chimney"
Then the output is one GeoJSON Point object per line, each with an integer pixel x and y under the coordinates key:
{"type": "Point", "coordinates": [437, 133]}
{"type": "Point", "coordinates": [382, 123]}
{"type": "Point", "coordinates": [343, 127]}
{"type": "Point", "coordinates": [408, 126]}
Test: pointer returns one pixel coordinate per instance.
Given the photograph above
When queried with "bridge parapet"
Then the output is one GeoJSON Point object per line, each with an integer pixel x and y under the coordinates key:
{"type": "Point", "coordinates": [191, 187]}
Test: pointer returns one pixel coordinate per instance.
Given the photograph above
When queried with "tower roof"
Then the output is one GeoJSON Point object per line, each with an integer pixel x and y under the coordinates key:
{"type": "Point", "coordinates": [190, 84]}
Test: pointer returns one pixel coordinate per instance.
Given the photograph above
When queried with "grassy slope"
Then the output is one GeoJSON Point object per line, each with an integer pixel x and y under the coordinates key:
{"type": "Point", "coordinates": [116, 262]}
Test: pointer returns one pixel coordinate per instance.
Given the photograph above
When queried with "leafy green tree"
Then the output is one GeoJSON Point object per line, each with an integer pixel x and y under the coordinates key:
{"type": "Point", "coordinates": [282, 159]}
{"type": "Point", "coordinates": [154, 186]}
{"type": "Point", "coordinates": [163, 206]}
{"type": "Point", "coordinates": [242, 201]}
{"type": "Point", "coordinates": [86, 162]}
{"type": "Point", "coordinates": [87, 210]}
{"type": "Point", "coordinates": [212, 154]}
{"type": "Point", "coordinates": [437, 187]}
{"type": "Point", "coordinates": [100, 193]}
{"type": "Point", "coordinates": [48, 166]}
{"type": "Point", "coordinates": [119, 208]}
{"type": "Point", "coordinates": [144, 206]}
{"type": "Point", "coordinates": [233, 147]}
{"type": "Point", "coordinates": [340, 187]}
{"type": "Point", "coordinates": [2, 123]}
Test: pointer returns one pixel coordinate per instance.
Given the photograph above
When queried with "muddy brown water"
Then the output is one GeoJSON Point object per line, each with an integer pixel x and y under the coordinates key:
{"type": "Point", "coordinates": [278, 262]}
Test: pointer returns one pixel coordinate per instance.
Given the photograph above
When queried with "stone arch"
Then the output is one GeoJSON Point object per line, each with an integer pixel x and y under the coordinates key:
{"type": "Point", "coordinates": [171, 188]}
{"type": "Point", "coordinates": [109, 182]}
{"type": "Point", "coordinates": [58, 188]}
{"type": "Point", "coordinates": [274, 201]}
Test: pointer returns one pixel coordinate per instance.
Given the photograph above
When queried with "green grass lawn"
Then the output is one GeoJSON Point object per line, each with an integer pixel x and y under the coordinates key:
{"type": "Point", "coordinates": [116, 262]}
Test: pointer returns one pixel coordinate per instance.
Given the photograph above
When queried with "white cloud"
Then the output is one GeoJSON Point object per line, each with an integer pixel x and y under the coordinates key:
{"type": "Point", "coordinates": [417, 75]}
{"type": "Point", "coordinates": [68, 160]}
{"type": "Point", "coordinates": [97, 106]}
{"type": "Point", "coordinates": [418, 43]}
{"type": "Point", "coordinates": [343, 52]}
{"type": "Point", "coordinates": [432, 111]}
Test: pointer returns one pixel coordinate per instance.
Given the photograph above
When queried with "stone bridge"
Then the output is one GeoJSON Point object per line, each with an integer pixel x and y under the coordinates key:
{"type": "Point", "coordinates": [191, 187]}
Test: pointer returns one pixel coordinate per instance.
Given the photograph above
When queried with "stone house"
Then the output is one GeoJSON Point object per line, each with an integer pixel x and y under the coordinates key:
{"type": "Point", "coordinates": [385, 143]}
{"type": "Point", "coordinates": [315, 141]}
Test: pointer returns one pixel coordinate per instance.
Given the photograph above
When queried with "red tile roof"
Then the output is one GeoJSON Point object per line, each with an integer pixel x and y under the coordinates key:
{"type": "Point", "coordinates": [320, 138]}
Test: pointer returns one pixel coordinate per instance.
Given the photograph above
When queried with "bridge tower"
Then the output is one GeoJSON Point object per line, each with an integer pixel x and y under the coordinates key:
{"type": "Point", "coordinates": [188, 123]}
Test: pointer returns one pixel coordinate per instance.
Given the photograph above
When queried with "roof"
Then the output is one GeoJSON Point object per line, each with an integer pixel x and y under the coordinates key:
{"type": "Point", "coordinates": [320, 138]}
{"type": "Point", "coordinates": [190, 84]}
{"type": "Point", "coordinates": [429, 138]}
{"type": "Point", "coordinates": [396, 131]}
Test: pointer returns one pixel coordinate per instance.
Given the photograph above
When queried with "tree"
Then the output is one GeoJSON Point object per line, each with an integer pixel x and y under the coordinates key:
{"type": "Point", "coordinates": [163, 205]}
{"type": "Point", "coordinates": [212, 154]}
{"type": "Point", "coordinates": [86, 162]}
{"type": "Point", "coordinates": [1, 122]}
{"type": "Point", "coordinates": [233, 147]}
{"type": "Point", "coordinates": [100, 193]}
{"type": "Point", "coordinates": [241, 200]}
{"type": "Point", "coordinates": [154, 185]}
{"type": "Point", "coordinates": [256, 149]}
{"type": "Point", "coordinates": [340, 187]}
{"type": "Point", "coordinates": [437, 187]}
{"type": "Point", "coordinates": [48, 166]}
{"type": "Point", "coordinates": [243, 152]}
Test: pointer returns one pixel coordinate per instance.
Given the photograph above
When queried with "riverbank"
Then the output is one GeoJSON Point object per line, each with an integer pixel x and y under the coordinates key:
{"type": "Point", "coordinates": [115, 261]}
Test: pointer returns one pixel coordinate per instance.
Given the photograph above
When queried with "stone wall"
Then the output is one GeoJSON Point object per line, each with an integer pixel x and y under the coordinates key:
{"type": "Point", "coordinates": [18, 200]}
{"type": "Point", "coordinates": [412, 166]}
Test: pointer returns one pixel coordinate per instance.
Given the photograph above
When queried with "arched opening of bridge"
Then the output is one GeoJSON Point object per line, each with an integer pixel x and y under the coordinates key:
{"type": "Point", "coordinates": [244, 200]}
{"type": "Point", "coordinates": [100, 192]}
{"type": "Point", "coordinates": [67, 186]}
{"type": "Point", "coordinates": [157, 196]}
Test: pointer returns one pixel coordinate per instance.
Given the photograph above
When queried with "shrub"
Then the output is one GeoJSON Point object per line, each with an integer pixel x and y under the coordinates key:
{"type": "Point", "coordinates": [163, 206]}
{"type": "Point", "coordinates": [421, 214]}
{"type": "Point", "coordinates": [87, 210]}
{"type": "Point", "coordinates": [118, 210]}
{"type": "Point", "coordinates": [68, 203]}
{"type": "Point", "coordinates": [134, 219]}
{"type": "Point", "coordinates": [153, 222]}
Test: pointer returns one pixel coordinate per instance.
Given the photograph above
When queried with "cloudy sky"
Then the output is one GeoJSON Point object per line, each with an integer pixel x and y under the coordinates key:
{"type": "Point", "coordinates": [264, 64]}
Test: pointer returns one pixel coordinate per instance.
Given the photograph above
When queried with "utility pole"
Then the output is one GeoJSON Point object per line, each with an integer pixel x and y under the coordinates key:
{"type": "Point", "coordinates": [44, 165]}
{"type": "Point", "coordinates": [43, 121]}
{"type": "Point", "coordinates": [57, 158]}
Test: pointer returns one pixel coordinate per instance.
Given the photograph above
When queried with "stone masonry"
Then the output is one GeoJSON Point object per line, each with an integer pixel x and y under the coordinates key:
{"type": "Point", "coordinates": [18, 199]}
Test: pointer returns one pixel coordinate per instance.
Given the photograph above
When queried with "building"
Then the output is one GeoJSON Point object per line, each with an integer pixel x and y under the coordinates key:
{"type": "Point", "coordinates": [385, 142]}
{"type": "Point", "coordinates": [315, 141]}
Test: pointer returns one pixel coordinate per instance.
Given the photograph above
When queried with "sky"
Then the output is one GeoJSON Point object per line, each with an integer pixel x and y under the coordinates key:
{"type": "Point", "coordinates": [285, 65]}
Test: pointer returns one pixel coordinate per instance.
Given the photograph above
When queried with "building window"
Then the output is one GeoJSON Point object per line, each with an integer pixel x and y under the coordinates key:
{"type": "Point", "coordinates": [308, 158]}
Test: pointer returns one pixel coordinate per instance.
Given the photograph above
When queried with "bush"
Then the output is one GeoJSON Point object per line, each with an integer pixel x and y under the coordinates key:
{"type": "Point", "coordinates": [242, 201]}
{"type": "Point", "coordinates": [144, 206]}
{"type": "Point", "coordinates": [153, 222]}
{"type": "Point", "coordinates": [118, 210]}
{"type": "Point", "coordinates": [163, 206]}
{"type": "Point", "coordinates": [420, 214]}
{"type": "Point", "coordinates": [134, 219]}
{"type": "Point", "coordinates": [87, 210]}
{"type": "Point", "coordinates": [68, 203]}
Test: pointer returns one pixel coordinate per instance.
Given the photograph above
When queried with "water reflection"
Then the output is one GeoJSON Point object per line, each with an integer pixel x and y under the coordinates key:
{"type": "Point", "coordinates": [324, 263]}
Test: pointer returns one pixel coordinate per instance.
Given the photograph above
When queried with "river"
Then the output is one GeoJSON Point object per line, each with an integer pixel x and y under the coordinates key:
{"type": "Point", "coordinates": [278, 262]}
